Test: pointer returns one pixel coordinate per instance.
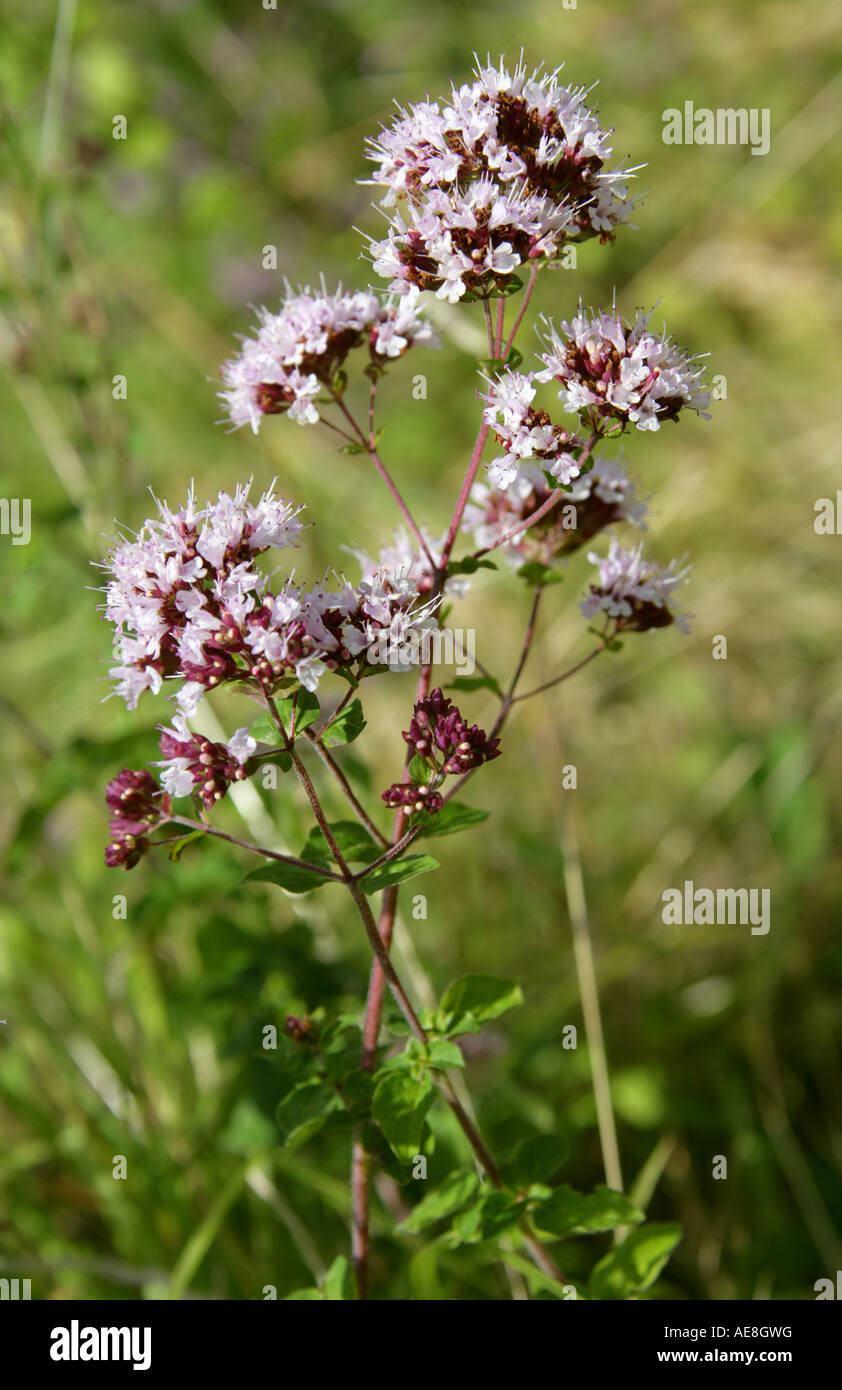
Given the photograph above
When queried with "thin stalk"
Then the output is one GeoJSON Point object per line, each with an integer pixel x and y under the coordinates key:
{"type": "Point", "coordinates": [347, 790]}
{"type": "Point", "coordinates": [501, 322]}
{"type": "Point", "coordinates": [392, 852]}
{"type": "Point", "coordinates": [527, 295]}
{"type": "Point", "coordinates": [253, 849]}
{"type": "Point", "coordinates": [369, 445]}
{"type": "Point", "coordinates": [586, 975]}
{"type": "Point", "coordinates": [336, 713]}
{"type": "Point", "coordinates": [464, 492]}
{"type": "Point", "coordinates": [57, 82]}
{"type": "Point", "coordinates": [489, 329]}
{"type": "Point", "coordinates": [360, 1215]}
{"type": "Point", "coordinates": [556, 680]}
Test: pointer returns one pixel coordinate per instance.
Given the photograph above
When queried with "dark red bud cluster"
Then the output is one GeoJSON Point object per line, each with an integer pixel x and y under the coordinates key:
{"type": "Point", "coordinates": [449, 746]}
{"type": "Point", "coordinates": [136, 800]}
{"type": "Point", "coordinates": [438, 728]}
{"type": "Point", "coordinates": [415, 796]}
{"type": "Point", "coordinates": [298, 1028]}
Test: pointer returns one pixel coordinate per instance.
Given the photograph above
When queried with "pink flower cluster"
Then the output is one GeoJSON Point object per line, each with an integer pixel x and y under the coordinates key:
{"type": "Point", "coordinates": [612, 370]}
{"type": "Point", "coordinates": [192, 765]}
{"type": "Point", "coordinates": [297, 353]}
{"type": "Point", "coordinates": [601, 497]}
{"type": "Point", "coordinates": [634, 591]}
{"type": "Point", "coordinates": [505, 170]}
{"type": "Point", "coordinates": [403, 560]}
{"type": "Point", "coordinates": [188, 602]}
{"type": "Point", "coordinates": [526, 432]}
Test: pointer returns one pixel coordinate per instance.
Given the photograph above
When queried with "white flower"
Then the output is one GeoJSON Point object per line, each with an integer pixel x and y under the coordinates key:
{"type": "Point", "coordinates": [241, 745]}
{"type": "Point", "coordinates": [176, 778]}
{"type": "Point", "coordinates": [308, 672]}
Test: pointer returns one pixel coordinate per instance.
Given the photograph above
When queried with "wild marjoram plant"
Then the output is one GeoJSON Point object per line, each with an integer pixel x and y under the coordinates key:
{"type": "Point", "coordinates": [504, 173]}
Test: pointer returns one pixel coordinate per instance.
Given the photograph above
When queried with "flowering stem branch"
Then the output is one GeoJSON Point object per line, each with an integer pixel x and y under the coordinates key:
{"type": "Point", "coordinates": [464, 492]}
{"type": "Point", "coordinates": [369, 444]}
{"type": "Point", "coordinates": [510, 698]}
{"type": "Point", "coordinates": [253, 849]}
{"type": "Point", "coordinates": [378, 946]}
{"type": "Point", "coordinates": [388, 909]}
{"type": "Point", "coordinates": [494, 343]}
{"type": "Point", "coordinates": [547, 685]}
{"type": "Point", "coordinates": [347, 791]}
{"type": "Point", "coordinates": [349, 438]}
{"type": "Point", "coordinates": [336, 713]}
{"type": "Point", "coordinates": [394, 851]}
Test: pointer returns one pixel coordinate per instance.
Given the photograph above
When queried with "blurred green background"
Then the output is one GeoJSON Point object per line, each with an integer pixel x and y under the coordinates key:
{"type": "Point", "coordinates": [246, 128]}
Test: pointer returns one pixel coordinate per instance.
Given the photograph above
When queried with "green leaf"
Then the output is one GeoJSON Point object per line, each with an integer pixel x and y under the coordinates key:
{"type": "Point", "coordinates": [397, 871]}
{"type": "Point", "coordinates": [634, 1265]}
{"type": "Point", "coordinates": [419, 770]}
{"type": "Point", "coordinates": [352, 839]}
{"type": "Point", "coordinates": [453, 1194]}
{"type": "Point", "coordinates": [302, 707]}
{"type": "Point", "coordinates": [566, 1211]}
{"type": "Point", "coordinates": [347, 726]}
{"type": "Point", "coordinates": [374, 1142]}
{"type": "Point", "coordinates": [304, 1111]}
{"type": "Point", "coordinates": [469, 565]}
{"type": "Point", "coordinates": [336, 1287]}
{"type": "Point", "coordinates": [475, 683]}
{"type": "Point", "coordinates": [452, 818]}
{"type": "Point", "coordinates": [514, 358]}
{"type": "Point", "coordinates": [281, 759]}
{"type": "Point", "coordinates": [499, 1213]}
{"type": "Point", "coordinates": [483, 996]}
{"type": "Point", "coordinates": [288, 876]}
{"type": "Point", "coordinates": [537, 575]}
{"type": "Point", "coordinates": [538, 1281]}
{"type": "Point", "coordinates": [175, 851]}
{"type": "Point", "coordinates": [444, 1054]}
{"type": "Point", "coordinates": [465, 1229]}
{"type": "Point", "coordinates": [264, 730]}
{"type": "Point", "coordinates": [491, 366]}
{"type": "Point", "coordinates": [536, 1160]}
{"type": "Point", "coordinates": [400, 1105]}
